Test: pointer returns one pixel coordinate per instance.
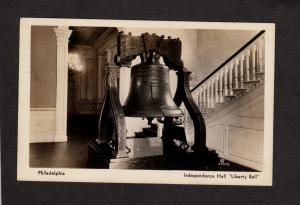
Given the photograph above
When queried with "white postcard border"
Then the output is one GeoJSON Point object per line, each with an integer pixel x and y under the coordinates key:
{"type": "Point", "coordinates": [25, 173]}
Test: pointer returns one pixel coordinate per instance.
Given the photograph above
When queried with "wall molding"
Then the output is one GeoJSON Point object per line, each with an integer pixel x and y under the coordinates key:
{"type": "Point", "coordinates": [218, 142]}
{"type": "Point", "coordinates": [243, 134]}
{"type": "Point", "coordinates": [42, 109]}
{"type": "Point", "coordinates": [251, 137]}
{"type": "Point", "coordinates": [42, 125]}
{"type": "Point", "coordinates": [247, 163]}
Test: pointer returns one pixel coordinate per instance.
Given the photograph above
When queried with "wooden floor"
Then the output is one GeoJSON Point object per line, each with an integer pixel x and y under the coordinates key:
{"type": "Point", "coordinates": [74, 152]}
{"type": "Point", "coordinates": [70, 154]}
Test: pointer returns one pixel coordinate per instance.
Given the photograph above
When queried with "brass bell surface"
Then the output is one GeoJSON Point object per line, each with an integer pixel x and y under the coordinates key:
{"type": "Point", "coordinates": [149, 93]}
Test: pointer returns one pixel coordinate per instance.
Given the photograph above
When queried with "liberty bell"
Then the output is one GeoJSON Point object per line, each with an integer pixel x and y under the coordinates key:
{"type": "Point", "coordinates": [149, 94]}
{"type": "Point", "coordinates": [149, 97]}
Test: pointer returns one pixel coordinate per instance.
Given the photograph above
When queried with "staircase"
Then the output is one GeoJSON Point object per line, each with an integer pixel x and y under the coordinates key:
{"type": "Point", "coordinates": [231, 100]}
{"type": "Point", "coordinates": [212, 105]}
{"type": "Point", "coordinates": [147, 132]}
{"type": "Point", "coordinates": [238, 75]}
{"type": "Point", "coordinates": [145, 143]}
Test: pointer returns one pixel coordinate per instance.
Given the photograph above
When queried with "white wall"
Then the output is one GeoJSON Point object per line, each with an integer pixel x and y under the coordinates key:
{"type": "Point", "coordinates": [216, 46]}
{"type": "Point", "coordinates": [43, 73]}
{"type": "Point", "coordinates": [47, 79]}
{"type": "Point", "coordinates": [236, 131]}
{"type": "Point", "coordinates": [42, 125]}
{"type": "Point", "coordinates": [43, 67]}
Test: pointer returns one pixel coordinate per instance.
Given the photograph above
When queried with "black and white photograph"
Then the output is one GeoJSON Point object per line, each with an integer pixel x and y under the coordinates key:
{"type": "Point", "coordinates": [146, 102]}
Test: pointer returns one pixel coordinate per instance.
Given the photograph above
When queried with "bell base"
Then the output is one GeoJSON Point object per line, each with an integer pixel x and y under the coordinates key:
{"type": "Point", "coordinates": [183, 161]}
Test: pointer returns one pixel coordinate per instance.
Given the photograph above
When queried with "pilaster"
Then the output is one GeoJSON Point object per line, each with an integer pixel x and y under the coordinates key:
{"type": "Point", "coordinates": [62, 39]}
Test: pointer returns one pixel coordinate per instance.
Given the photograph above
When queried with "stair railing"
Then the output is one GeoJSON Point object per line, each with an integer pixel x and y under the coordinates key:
{"type": "Point", "coordinates": [242, 68]}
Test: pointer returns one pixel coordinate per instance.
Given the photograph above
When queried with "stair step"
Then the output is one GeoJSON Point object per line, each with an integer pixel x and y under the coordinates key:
{"type": "Point", "coordinates": [230, 96]}
{"type": "Point", "coordinates": [150, 131]}
{"type": "Point", "coordinates": [260, 73]}
{"type": "Point", "coordinates": [240, 89]}
{"type": "Point", "coordinates": [142, 135]}
{"type": "Point", "coordinates": [251, 81]}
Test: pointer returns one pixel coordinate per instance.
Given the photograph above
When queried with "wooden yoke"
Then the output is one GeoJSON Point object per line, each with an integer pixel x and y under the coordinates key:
{"type": "Point", "coordinates": [146, 45]}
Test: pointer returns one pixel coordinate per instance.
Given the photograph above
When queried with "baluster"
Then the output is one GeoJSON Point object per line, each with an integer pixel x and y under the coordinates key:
{"type": "Point", "coordinates": [253, 62]}
{"type": "Point", "coordinates": [247, 65]}
{"type": "Point", "coordinates": [225, 81]}
{"type": "Point", "coordinates": [221, 86]}
{"type": "Point", "coordinates": [205, 100]}
{"type": "Point", "coordinates": [204, 97]}
{"type": "Point", "coordinates": [216, 88]}
{"type": "Point", "coordinates": [208, 94]}
{"type": "Point", "coordinates": [263, 54]}
{"type": "Point", "coordinates": [260, 55]}
{"type": "Point", "coordinates": [236, 64]}
{"type": "Point", "coordinates": [200, 98]}
{"type": "Point", "coordinates": [212, 93]}
{"type": "Point", "coordinates": [194, 95]}
{"type": "Point", "coordinates": [230, 78]}
{"type": "Point", "coordinates": [242, 70]}
{"type": "Point", "coordinates": [197, 97]}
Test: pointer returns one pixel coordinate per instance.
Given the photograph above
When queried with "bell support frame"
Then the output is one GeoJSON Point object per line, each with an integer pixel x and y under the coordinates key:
{"type": "Point", "coordinates": [129, 47]}
{"type": "Point", "coordinates": [113, 145]}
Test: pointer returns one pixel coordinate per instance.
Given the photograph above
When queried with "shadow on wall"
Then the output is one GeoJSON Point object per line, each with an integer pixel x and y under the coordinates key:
{"type": "Point", "coordinates": [216, 46]}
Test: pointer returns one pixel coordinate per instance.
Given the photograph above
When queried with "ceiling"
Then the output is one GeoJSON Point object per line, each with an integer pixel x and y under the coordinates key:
{"type": "Point", "coordinates": [86, 36]}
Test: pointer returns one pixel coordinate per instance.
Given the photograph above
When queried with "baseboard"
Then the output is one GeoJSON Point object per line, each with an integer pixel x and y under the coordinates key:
{"type": "Point", "coordinates": [62, 138]}
{"type": "Point", "coordinates": [241, 161]}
